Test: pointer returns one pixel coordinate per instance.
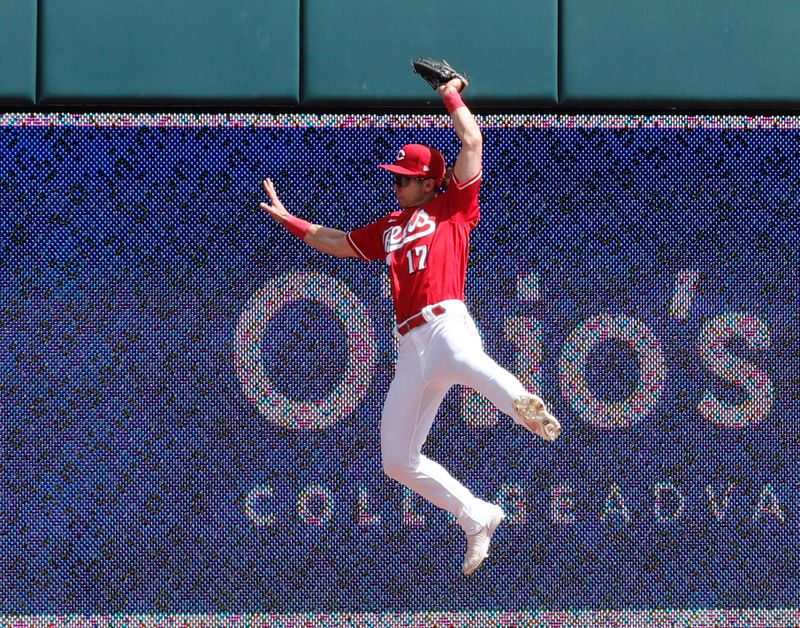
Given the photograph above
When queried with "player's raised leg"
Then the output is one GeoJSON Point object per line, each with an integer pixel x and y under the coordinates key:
{"type": "Point", "coordinates": [462, 356]}
{"type": "Point", "coordinates": [507, 393]}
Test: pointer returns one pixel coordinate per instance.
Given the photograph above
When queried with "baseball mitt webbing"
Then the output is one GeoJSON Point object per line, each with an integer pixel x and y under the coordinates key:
{"type": "Point", "coordinates": [436, 72]}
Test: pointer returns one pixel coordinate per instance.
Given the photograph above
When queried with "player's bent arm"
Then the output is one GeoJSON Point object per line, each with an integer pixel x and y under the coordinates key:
{"type": "Point", "coordinates": [330, 241]}
{"type": "Point", "coordinates": [323, 239]}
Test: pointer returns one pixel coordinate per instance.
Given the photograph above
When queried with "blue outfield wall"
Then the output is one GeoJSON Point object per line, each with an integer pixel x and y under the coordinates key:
{"type": "Point", "coordinates": [191, 397]}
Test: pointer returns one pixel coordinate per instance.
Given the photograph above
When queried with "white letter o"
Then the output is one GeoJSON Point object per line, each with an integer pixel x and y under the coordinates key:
{"type": "Point", "coordinates": [361, 350]}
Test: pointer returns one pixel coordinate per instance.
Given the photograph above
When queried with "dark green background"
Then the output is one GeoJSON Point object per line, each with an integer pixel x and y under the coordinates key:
{"type": "Point", "coordinates": [542, 54]}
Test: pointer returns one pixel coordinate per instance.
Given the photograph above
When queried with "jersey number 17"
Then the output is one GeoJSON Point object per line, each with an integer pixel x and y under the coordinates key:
{"type": "Point", "coordinates": [417, 258]}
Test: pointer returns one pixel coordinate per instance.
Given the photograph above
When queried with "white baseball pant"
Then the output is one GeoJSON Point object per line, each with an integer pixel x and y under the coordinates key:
{"type": "Point", "coordinates": [432, 358]}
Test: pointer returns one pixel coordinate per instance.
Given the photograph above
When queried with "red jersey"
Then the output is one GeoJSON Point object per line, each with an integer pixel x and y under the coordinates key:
{"type": "Point", "coordinates": [426, 248]}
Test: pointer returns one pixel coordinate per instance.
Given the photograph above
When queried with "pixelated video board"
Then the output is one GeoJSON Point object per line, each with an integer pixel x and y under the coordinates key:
{"type": "Point", "coordinates": [191, 397]}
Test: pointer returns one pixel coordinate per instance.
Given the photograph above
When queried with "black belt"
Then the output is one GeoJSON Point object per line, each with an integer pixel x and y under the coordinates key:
{"type": "Point", "coordinates": [418, 319]}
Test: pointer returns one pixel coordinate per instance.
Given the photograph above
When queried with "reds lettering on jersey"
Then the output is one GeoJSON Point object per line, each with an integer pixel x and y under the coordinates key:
{"type": "Point", "coordinates": [426, 248]}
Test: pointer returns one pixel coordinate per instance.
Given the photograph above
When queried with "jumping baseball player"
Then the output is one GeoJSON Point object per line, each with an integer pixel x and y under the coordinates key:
{"type": "Point", "coordinates": [425, 244]}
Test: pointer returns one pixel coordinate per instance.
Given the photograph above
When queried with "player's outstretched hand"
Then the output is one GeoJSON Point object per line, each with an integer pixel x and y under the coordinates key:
{"type": "Point", "coordinates": [275, 208]}
{"type": "Point", "coordinates": [456, 83]}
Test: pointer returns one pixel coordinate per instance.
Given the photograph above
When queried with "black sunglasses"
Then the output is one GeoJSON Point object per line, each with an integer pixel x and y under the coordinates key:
{"type": "Point", "coordinates": [401, 180]}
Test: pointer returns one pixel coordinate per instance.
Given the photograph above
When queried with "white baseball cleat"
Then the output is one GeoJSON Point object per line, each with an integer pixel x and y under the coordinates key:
{"type": "Point", "coordinates": [478, 544]}
{"type": "Point", "coordinates": [534, 416]}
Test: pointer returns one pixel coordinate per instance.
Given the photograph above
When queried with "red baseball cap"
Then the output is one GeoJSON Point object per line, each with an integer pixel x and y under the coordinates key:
{"type": "Point", "coordinates": [418, 160]}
